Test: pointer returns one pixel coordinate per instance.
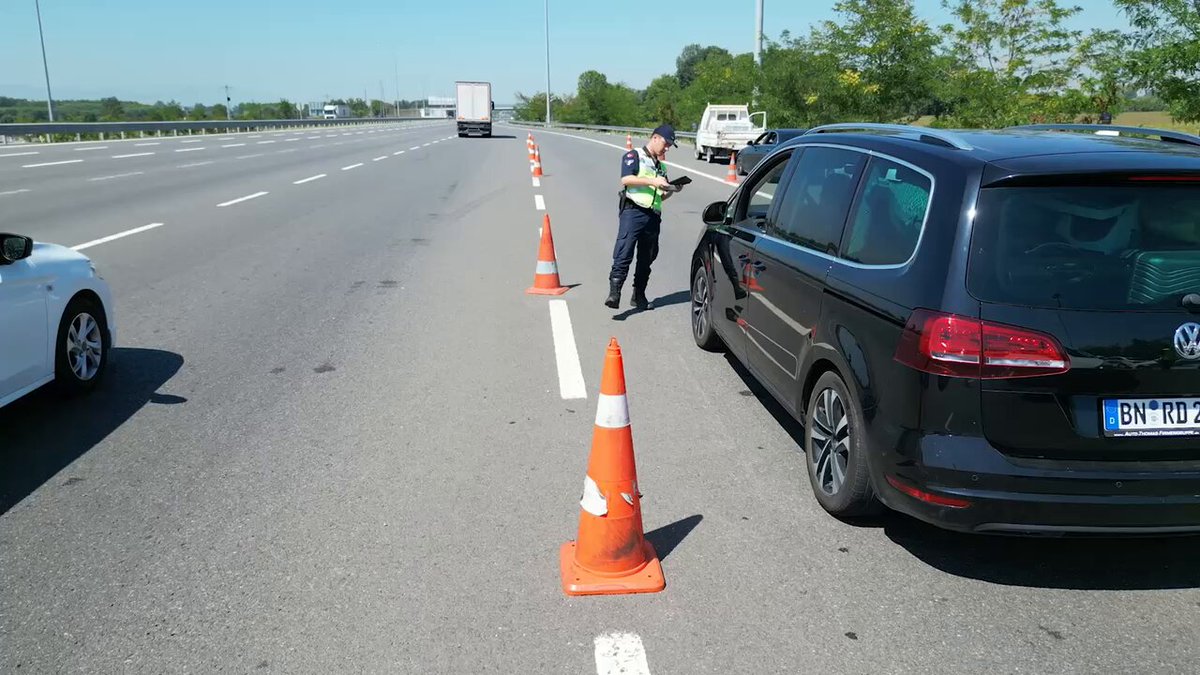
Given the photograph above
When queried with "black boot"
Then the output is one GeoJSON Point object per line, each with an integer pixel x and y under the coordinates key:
{"type": "Point", "coordinates": [614, 294]}
{"type": "Point", "coordinates": [639, 299]}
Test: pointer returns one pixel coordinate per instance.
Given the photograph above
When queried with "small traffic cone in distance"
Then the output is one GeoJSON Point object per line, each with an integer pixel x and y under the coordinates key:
{"type": "Point", "coordinates": [731, 177]}
{"type": "Point", "coordinates": [545, 277]}
{"type": "Point", "coordinates": [537, 162]}
{"type": "Point", "coordinates": [628, 141]}
{"type": "Point", "coordinates": [611, 555]}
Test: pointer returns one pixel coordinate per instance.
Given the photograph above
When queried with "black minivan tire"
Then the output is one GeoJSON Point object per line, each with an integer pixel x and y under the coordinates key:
{"type": "Point", "coordinates": [66, 379]}
{"type": "Point", "coordinates": [835, 415]}
{"type": "Point", "coordinates": [703, 329]}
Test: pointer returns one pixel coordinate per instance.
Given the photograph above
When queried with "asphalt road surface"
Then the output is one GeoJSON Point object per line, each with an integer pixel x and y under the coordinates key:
{"type": "Point", "coordinates": [335, 439]}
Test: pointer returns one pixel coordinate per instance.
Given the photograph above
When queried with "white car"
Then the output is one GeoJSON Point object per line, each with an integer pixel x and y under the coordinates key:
{"type": "Point", "coordinates": [56, 319]}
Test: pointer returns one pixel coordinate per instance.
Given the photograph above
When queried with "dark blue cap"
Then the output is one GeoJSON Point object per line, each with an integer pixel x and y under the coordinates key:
{"type": "Point", "coordinates": [667, 132]}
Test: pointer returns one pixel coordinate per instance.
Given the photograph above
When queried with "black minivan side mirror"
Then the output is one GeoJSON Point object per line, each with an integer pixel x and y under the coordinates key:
{"type": "Point", "coordinates": [715, 213]}
{"type": "Point", "coordinates": [14, 247]}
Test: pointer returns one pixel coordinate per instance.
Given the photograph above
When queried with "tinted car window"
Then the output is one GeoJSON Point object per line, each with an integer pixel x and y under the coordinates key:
{"type": "Point", "coordinates": [889, 214]}
{"type": "Point", "coordinates": [817, 198]}
{"type": "Point", "coordinates": [756, 198]}
{"type": "Point", "coordinates": [1083, 247]}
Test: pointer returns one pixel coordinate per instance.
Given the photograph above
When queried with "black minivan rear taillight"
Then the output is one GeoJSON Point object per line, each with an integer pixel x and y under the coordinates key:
{"type": "Point", "coordinates": [958, 346]}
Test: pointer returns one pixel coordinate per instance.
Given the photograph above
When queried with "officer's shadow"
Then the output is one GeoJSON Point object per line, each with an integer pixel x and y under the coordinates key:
{"type": "Point", "coordinates": [676, 298]}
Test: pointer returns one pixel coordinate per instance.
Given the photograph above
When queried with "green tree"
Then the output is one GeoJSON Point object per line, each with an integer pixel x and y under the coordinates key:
{"type": "Point", "coordinates": [1012, 61]}
{"type": "Point", "coordinates": [287, 110]}
{"type": "Point", "coordinates": [358, 107]}
{"type": "Point", "coordinates": [720, 78]}
{"type": "Point", "coordinates": [219, 111]}
{"type": "Point", "coordinates": [111, 110]}
{"type": "Point", "coordinates": [199, 112]}
{"type": "Point", "coordinates": [1167, 40]}
{"type": "Point", "coordinates": [691, 56]}
{"type": "Point", "coordinates": [661, 101]}
{"type": "Point", "coordinates": [1103, 58]}
{"type": "Point", "coordinates": [592, 99]}
{"type": "Point", "coordinates": [886, 53]}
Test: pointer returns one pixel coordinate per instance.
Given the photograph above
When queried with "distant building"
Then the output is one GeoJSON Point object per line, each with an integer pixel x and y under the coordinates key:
{"type": "Point", "coordinates": [439, 106]}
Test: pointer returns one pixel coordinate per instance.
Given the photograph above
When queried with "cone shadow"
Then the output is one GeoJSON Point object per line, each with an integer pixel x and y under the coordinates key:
{"type": "Point", "coordinates": [667, 537]}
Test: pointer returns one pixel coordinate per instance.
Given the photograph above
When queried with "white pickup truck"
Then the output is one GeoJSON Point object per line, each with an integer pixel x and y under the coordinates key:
{"type": "Point", "coordinates": [725, 128]}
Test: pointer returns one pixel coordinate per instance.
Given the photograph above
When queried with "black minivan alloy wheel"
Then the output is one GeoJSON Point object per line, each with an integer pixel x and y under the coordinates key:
{"type": "Point", "coordinates": [835, 449]}
{"type": "Point", "coordinates": [702, 324]}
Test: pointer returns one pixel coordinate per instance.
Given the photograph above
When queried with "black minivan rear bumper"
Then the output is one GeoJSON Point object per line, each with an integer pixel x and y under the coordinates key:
{"type": "Point", "coordinates": [1040, 497]}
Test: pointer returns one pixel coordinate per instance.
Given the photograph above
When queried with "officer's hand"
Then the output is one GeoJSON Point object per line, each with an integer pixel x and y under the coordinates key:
{"type": "Point", "coordinates": [662, 183]}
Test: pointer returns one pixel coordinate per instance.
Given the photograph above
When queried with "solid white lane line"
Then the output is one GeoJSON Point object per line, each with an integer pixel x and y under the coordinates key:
{"type": "Point", "coordinates": [310, 179]}
{"type": "Point", "coordinates": [15, 192]}
{"type": "Point", "coordinates": [690, 170]}
{"type": "Point", "coordinates": [379, 159]}
{"type": "Point", "coordinates": [539, 203]}
{"type": "Point", "coordinates": [114, 237]}
{"type": "Point", "coordinates": [537, 182]}
{"type": "Point", "coordinates": [145, 145]}
{"type": "Point", "coordinates": [233, 145]}
{"type": "Point", "coordinates": [566, 355]}
{"type": "Point", "coordinates": [250, 156]}
{"type": "Point", "coordinates": [398, 152]}
{"type": "Point", "coordinates": [620, 654]}
{"type": "Point", "coordinates": [90, 148]}
{"type": "Point", "coordinates": [133, 154]}
{"type": "Point", "coordinates": [65, 161]}
{"type": "Point", "coordinates": [188, 166]}
{"type": "Point", "coordinates": [20, 154]}
{"type": "Point", "coordinates": [119, 175]}
{"type": "Point", "coordinates": [190, 149]}
{"type": "Point", "coordinates": [239, 200]}
{"type": "Point", "coordinates": [352, 166]}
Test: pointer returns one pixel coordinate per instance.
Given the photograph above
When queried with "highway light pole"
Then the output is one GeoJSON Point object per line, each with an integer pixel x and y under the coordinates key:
{"type": "Point", "coordinates": [758, 39]}
{"type": "Point", "coordinates": [547, 62]}
{"type": "Point", "coordinates": [45, 66]}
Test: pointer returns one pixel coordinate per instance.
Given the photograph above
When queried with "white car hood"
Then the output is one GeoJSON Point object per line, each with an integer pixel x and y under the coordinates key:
{"type": "Point", "coordinates": [49, 253]}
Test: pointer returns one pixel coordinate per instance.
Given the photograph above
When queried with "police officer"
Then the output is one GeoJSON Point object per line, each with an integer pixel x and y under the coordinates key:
{"type": "Point", "coordinates": [645, 187]}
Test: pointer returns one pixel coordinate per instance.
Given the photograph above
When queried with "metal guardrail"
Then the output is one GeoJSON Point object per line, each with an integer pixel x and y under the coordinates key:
{"type": "Point", "coordinates": [113, 129]}
{"type": "Point", "coordinates": [603, 127]}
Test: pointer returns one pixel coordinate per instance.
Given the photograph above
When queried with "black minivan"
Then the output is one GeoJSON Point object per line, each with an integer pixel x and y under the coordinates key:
{"type": "Point", "coordinates": [992, 331]}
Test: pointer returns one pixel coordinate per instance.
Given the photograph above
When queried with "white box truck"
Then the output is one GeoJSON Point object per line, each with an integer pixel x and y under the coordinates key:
{"type": "Point", "coordinates": [335, 112]}
{"type": "Point", "coordinates": [473, 108]}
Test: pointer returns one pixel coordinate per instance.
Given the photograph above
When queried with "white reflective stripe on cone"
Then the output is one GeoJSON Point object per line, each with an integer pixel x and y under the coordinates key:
{"type": "Point", "coordinates": [547, 267]}
{"type": "Point", "coordinates": [612, 412]}
{"type": "Point", "coordinates": [593, 502]}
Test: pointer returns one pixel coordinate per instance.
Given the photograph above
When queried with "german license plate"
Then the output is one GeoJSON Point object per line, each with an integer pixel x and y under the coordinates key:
{"type": "Point", "coordinates": [1152, 417]}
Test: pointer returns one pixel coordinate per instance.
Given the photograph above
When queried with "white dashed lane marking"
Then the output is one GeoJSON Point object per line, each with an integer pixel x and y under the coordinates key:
{"type": "Point", "coordinates": [620, 654]}
{"type": "Point", "coordinates": [239, 200]}
{"type": "Point", "coordinates": [20, 154]}
{"type": "Point", "coordinates": [190, 149]}
{"type": "Point", "coordinates": [133, 154]}
{"type": "Point", "coordinates": [233, 145]}
{"type": "Point", "coordinates": [352, 166]}
{"type": "Point", "coordinates": [15, 192]}
{"type": "Point", "coordinates": [539, 203]}
{"type": "Point", "coordinates": [91, 148]}
{"type": "Point", "coordinates": [65, 161]}
{"type": "Point", "coordinates": [310, 179]}
{"type": "Point", "coordinates": [115, 176]}
{"type": "Point", "coordinates": [114, 237]}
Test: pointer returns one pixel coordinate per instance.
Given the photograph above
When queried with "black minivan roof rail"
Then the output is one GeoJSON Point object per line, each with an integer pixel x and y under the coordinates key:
{"type": "Point", "coordinates": [923, 134]}
{"type": "Point", "coordinates": [1114, 130]}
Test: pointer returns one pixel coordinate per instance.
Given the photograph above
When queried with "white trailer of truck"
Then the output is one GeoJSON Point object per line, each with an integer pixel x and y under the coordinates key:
{"type": "Point", "coordinates": [336, 112]}
{"type": "Point", "coordinates": [725, 128]}
{"type": "Point", "coordinates": [473, 109]}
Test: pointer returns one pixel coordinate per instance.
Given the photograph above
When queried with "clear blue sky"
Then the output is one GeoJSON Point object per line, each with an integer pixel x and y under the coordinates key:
{"type": "Point", "coordinates": [149, 50]}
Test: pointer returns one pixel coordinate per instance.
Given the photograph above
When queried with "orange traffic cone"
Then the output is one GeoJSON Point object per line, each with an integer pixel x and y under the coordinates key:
{"type": "Point", "coordinates": [731, 177]}
{"type": "Point", "coordinates": [545, 277]}
{"type": "Point", "coordinates": [611, 554]}
{"type": "Point", "coordinates": [628, 141]}
{"type": "Point", "coordinates": [529, 140]}
{"type": "Point", "coordinates": [537, 162]}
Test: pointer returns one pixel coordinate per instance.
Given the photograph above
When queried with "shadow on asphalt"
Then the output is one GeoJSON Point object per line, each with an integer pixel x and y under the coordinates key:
{"type": "Point", "coordinates": [1058, 563]}
{"type": "Point", "coordinates": [667, 537]}
{"type": "Point", "coordinates": [501, 136]}
{"type": "Point", "coordinates": [676, 298]}
{"type": "Point", "coordinates": [44, 432]}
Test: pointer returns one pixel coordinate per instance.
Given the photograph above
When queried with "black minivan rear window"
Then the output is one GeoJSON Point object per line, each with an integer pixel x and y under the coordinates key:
{"type": "Point", "coordinates": [1109, 247]}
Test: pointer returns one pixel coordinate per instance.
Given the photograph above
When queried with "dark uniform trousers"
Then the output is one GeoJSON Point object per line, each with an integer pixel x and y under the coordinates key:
{"type": "Point", "coordinates": [638, 231]}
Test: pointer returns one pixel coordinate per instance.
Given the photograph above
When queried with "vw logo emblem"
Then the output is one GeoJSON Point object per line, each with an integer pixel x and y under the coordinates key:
{"type": "Point", "coordinates": [1187, 341]}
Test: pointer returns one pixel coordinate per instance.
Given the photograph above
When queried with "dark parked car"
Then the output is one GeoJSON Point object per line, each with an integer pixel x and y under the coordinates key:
{"type": "Point", "coordinates": [990, 331]}
{"type": "Point", "coordinates": [749, 156]}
